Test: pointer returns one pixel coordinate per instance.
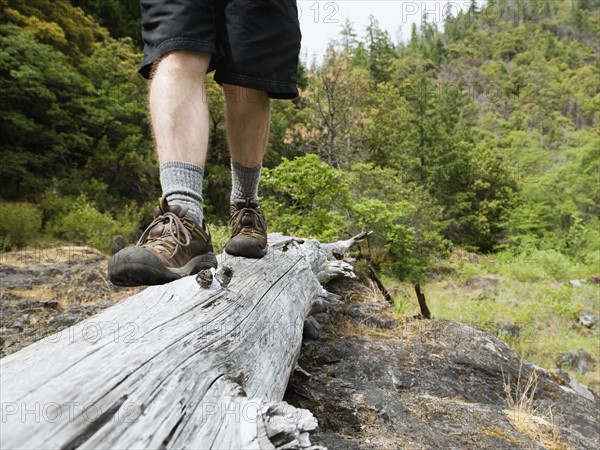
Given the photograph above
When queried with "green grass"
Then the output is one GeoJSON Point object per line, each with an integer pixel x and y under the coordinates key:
{"type": "Point", "coordinates": [220, 234]}
{"type": "Point", "coordinates": [533, 295]}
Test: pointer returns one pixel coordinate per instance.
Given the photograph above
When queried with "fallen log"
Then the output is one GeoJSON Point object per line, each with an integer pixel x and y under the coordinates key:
{"type": "Point", "coordinates": [178, 365]}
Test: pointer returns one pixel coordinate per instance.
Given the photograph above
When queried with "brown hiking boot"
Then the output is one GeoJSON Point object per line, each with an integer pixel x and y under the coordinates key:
{"type": "Point", "coordinates": [248, 230]}
{"type": "Point", "coordinates": [172, 247]}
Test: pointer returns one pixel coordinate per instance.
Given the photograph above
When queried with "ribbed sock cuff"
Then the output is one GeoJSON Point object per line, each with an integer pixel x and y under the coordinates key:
{"type": "Point", "coordinates": [181, 184]}
{"type": "Point", "coordinates": [244, 181]}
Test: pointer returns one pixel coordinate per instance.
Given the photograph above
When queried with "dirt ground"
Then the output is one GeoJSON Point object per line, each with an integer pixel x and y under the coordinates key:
{"type": "Point", "coordinates": [46, 289]}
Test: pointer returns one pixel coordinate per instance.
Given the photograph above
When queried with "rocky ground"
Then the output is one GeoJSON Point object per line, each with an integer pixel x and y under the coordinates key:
{"type": "Point", "coordinates": [376, 382]}
{"type": "Point", "coordinates": [372, 380]}
{"type": "Point", "coordinates": [48, 289]}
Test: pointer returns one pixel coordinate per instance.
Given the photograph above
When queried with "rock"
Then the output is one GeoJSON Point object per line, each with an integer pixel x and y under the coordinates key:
{"type": "Point", "coordinates": [320, 317]}
{"type": "Point", "coordinates": [594, 279]}
{"type": "Point", "coordinates": [578, 360]}
{"type": "Point", "coordinates": [92, 276]}
{"type": "Point", "coordinates": [564, 379]}
{"type": "Point", "coordinates": [65, 320]}
{"type": "Point", "coordinates": [430, 384]}
{"type": "Point", "coordinates": [52, 304]}
{"type": "Point", "coordinates": [508, 330]}
{"type": "Point", "coordinates": [11, 330]}
{"type": "Point", "coordinates": [312, 329]}
{"type": "Point", "coordinates": [29, 310]}
{"type": "Point", "coordinates": [7, 270]}
{"type": "Point", "coordinates": [575, 283]}
{"type": "Point", "coordinates": [560, 376]}
{"type": "Point", "coordinates": [317, 307]}
{"type": "Point", "coordinates": [20, 324]}
{"type": "Point", "coordinates": [581, 389]}
{"type": "Point", "coordinates": [588, 319]}
{"type": "Point", "coordinates": [482, 282]}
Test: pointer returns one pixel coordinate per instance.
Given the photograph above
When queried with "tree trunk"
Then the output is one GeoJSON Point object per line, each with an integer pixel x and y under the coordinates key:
{"type": "Point", "coordinates": [177, 365]}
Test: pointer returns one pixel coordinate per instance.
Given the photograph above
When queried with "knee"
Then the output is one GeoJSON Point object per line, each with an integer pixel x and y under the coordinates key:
{"type": "Point", "coordinates": [184, 62]}
{"type": "Point", "coordinates": [244, 98]}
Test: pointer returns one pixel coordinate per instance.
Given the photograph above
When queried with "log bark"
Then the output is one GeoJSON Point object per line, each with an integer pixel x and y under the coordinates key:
{"type": "Point", "coordinates": [177, 365]}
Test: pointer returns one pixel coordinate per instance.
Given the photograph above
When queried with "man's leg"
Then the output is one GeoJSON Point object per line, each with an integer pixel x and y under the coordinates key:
{"type": "Point", "coordinates": [248, 117]}
{"type": "Point", "coordinates": [179, 112]}
{"type": "Point", "coordinates": [248, 121]}
{"type": "Point", "coordinates": [178, 107]}
{"type": "Point", "coordinates": [176, 243]}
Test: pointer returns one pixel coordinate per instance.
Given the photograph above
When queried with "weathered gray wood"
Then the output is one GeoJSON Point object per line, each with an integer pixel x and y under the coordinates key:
{"type": "Point", "coordinates": [175, 366]}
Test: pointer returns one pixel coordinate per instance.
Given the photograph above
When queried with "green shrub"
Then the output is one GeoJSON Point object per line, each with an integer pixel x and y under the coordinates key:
{"type": "Point", "coordinates": [584, 245]}
{"type": "Point", "coordinates": [523, 271]}
{"type": "Point", "coordinates": [554, 264]}
{"type": "Point", "coordinates": [406, 223]}
{"type": "Point", "coordinates": [306, 197]}
{"type": "Point", "coordinates": [529, 264]}
{"type": "Point", "coordinates": [20, 223]}
{"type": "Point", "coordinates": [54, 205]}
{"type": "Point", "coordinates": [562, 303]}
{"type": "Point", "coordinates": [393, 241]}
{"type": "Point", "coordinates": [220, 234]}
{"type": "Point", "coordinates": [216, 189]}
{"type": "Point", "coordinates": [464, 270]}
{"type": "Point", "coordinates": [83, 224]}
{"type": "Point", "coordinates": [519, 261]}
{"type": "Point", "coordinates": [128, 222]}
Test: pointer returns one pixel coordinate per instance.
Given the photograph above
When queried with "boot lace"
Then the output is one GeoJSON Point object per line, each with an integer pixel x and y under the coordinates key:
{"type": "Point", "coordinates": [258, 220]}
{"type": "Point", "coordinates": [176, 237]}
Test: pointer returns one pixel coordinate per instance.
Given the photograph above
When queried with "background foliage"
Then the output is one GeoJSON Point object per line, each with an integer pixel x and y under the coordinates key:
{"type": "Point", "coordinates": [481, 135]}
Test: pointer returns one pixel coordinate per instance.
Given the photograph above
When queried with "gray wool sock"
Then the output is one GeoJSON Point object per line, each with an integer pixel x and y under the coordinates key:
{"type": "Point", "coordinates": [244, 181]}
{"type": "Point", "coordinates": [182, 185]}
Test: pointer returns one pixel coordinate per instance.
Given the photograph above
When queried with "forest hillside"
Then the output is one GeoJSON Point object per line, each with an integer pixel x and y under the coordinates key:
{"type": "Point", "coordinates": [480, 132]}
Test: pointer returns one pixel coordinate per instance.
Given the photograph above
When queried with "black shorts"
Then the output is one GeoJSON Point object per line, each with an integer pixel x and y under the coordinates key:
{"type": "Point", "coordinates": [254, 43]}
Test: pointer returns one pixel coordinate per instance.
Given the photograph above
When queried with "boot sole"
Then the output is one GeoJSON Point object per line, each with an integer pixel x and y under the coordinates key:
{"type": "Point", "coordinates": [137, 266]}
{"type": "Point", "coordinates": [246, 248]}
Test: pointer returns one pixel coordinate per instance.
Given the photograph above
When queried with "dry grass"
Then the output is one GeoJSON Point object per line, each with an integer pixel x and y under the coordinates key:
{"type": "Point", "coordinates": [354, 291]}
{"type": "Point", "coordinates": [525, 417]}
{"type": "Point", "coordinates": [498, 433]}
{"type": "Point", "coordinates": [49, 254]}
{"type": "Point", "coordinates": [89, 285]}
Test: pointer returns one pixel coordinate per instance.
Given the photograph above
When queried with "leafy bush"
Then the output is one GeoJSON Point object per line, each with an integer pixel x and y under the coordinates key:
{"type": "Point", "coordinates": [306, 197]}
{"type": "Point", "coordinates": [393, 242]}
{"type": "Point", "coordinates": [53, 205]}
{"type": "Point", "coordinates": [20, 223]}
{"type": "Point", "coordinates": [525, 272]}
{"type": "Point", "coordinates": [220, 234]}
{"type": "Point", "coordinates": [528, 263]}
{"type": "Point", "coordinates": [555, 264]}
{"type": "Point", "coordinates": [406, 223]}
{"type": "Point", "coordinates": [562, 303]}
{"type": "Point", "coordinates": [216, 189]}
{"type": "Point", "coordinates": [584, 245]}
{"type": "Point", "coordinates": [82, 223]}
